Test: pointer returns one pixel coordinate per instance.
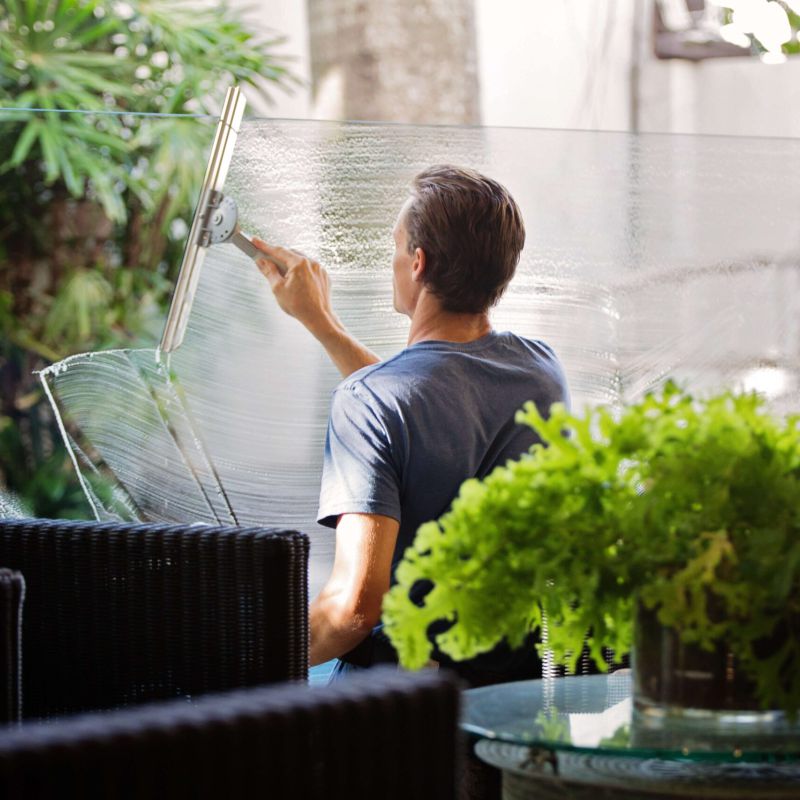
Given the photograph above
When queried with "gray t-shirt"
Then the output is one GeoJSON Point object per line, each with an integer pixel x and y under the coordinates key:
{"type": "Point", "coordinates": [405, 433]}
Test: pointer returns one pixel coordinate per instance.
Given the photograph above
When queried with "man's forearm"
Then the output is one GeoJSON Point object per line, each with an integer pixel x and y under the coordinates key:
{"type": "Point", "coordinates": [331, 633]}
{"type": "Point", "coordinates": [349, 605]}
{"type": "Point", "coordinates": [346, 352]}
{"type": "Point", "coordinates": [302, 288]}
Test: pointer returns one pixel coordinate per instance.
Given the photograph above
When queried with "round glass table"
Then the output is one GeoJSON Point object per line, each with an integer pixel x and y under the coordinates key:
{"type": "Point", "coordinates": [581, 737]}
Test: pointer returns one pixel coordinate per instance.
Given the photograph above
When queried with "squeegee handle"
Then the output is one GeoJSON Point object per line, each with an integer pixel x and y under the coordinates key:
{"type": "Point", "coordinates": [247, 247]}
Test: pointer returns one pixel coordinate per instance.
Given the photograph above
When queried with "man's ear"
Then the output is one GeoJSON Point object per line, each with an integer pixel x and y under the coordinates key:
{"type": "Point", "coordinates": [418, 265]}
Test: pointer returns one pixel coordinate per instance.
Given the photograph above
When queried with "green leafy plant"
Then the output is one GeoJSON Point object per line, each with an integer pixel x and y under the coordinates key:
{"type": "Point", "coordinates": [168, 56]}
{"type": "Point", "coordinates": [680, 504]}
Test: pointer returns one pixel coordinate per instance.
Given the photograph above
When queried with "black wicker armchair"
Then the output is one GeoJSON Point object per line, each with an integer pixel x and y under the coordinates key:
{"type": "Point", "coordinates": [119, 614]}
{"type": "Point", "coordinates": [383, 734]}
{"type": "Point", "coordinates": [12, 594]}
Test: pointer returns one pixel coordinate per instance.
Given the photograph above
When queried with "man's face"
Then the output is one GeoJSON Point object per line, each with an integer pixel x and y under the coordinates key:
{"type": "Point", "coordinates": [404, 289]}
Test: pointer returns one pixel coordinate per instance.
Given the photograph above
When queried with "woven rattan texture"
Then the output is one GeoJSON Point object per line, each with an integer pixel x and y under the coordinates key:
{"type": "Point", "coordinates": [119, 614]}
{"type": "Point", "coordinates": [383, 734]}
{"type": "Point", "coordinates": [12, 595]}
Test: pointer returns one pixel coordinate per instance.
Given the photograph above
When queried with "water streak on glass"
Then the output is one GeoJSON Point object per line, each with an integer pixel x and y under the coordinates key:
{"type": "Point", "coordinates": [646, 257]}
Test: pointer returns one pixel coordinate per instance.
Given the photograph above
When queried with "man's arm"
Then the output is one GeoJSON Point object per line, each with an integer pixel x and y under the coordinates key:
{"type": "Point", "coordinates": [302, 289]}
{"type": "Point", "coordinates": [349, 605]}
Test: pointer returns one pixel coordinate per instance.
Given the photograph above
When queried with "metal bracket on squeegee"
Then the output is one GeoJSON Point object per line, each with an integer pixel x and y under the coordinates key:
{"type": "Point", "coordinates": [220, 224]}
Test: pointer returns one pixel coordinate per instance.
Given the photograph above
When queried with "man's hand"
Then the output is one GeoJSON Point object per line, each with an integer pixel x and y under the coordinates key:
{"type": "Point", "coordinates": [303, 290]}
{"type": "Point", "coordinates": [301, 286]}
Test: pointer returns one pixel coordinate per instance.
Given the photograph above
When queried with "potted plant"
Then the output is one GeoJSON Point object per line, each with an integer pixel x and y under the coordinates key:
{"type": "Point", "coordinates": [673, 521]}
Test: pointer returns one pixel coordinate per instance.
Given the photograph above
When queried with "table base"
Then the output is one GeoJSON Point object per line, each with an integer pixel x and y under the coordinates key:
{"type": "Point", "coordinates": [544, 774]}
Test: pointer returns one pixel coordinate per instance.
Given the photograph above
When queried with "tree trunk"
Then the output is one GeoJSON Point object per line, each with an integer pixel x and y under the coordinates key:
{"type": "Point", "coordinates": [394, 61]}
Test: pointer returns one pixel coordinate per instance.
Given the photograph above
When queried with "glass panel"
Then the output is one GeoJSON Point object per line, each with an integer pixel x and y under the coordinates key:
{"type": "Point", "coordinates": [94, 209]}
{"type": "Point", "coordinates": [647, 256]}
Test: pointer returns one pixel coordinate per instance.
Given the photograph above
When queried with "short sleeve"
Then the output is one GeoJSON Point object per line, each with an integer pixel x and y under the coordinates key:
{"type": "Point", "coordinates": [359, 473]}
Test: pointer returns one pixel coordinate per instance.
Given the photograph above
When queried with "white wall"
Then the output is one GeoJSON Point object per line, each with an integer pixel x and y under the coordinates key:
{"type": "Point", "coordinates": [562, 64]}
{"type": "Point", "coordinates": [732, 96]}
{"type": "Point", "coordinates": [568, 64]}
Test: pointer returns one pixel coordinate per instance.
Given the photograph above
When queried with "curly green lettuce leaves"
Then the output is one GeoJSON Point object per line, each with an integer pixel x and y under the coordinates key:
{"type": "Point", "coordinates": [690, 507]}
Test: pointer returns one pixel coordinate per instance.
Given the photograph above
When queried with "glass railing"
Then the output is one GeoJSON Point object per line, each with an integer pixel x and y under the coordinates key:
{"type": "Point", "coordinates": [647, 257]}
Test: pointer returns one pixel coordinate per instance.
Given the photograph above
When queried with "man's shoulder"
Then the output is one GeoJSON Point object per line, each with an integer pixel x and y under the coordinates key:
{"type": "Point", "coordinates": [368, 377]}
{"type": "Point", "coordinates": [427, 361]}
{"type": "Point", "coordinates": [527, 344]}
{"type": "Point", "coordinates": [380, 387]}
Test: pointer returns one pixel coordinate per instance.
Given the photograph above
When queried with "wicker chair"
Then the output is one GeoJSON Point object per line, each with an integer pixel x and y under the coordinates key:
{"type": "Point", "coordinates": [383, 734]}
{"type": "Point", "coordinates": [12, 594]}
{"type": "Point", "coordinates": [119, 614]}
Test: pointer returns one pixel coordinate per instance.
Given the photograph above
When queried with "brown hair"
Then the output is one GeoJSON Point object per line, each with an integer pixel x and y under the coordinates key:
{"type": "Point", "coordinates": [471, 232]}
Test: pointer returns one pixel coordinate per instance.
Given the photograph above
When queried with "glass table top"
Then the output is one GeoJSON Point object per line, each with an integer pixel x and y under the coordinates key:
{"type": "Point", "coordinates": [595, 713]}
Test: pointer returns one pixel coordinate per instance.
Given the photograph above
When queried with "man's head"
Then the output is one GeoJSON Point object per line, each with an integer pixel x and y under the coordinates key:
{"type": "Point", "coordinates": [465, 231]}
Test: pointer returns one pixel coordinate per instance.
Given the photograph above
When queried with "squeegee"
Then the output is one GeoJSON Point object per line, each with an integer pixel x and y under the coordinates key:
{"type": "Point", "coordinates": [215, 222]}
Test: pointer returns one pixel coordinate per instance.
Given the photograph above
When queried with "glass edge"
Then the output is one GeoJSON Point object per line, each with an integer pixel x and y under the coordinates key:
{"type": "Point", "coordinates": [6, 114]}
{"type": "Point", "coordinates": [719, 757]}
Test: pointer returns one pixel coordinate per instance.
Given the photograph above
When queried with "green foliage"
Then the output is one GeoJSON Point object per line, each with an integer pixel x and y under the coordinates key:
{"type": "Point", "coordinates": [169, 56]}
{"type": "Point", "coordinates": [94, 205]}
{"type": "Point", "coordinates": [691, 507]}
{"type": "Point", "coordinates": [553, 726]}
{"type": "Point", "coordinates": [620, 738]}
{"type": "Point", "coordinates": [43, 476]}
{"type": "Point", "coordinates": [791, 47]}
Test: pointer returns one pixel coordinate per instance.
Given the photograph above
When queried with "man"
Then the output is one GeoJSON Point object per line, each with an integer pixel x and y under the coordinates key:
{"type": "Point", "coordinates": [405, 433]}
